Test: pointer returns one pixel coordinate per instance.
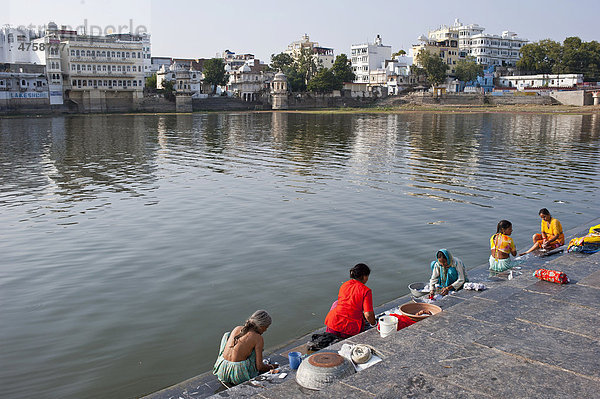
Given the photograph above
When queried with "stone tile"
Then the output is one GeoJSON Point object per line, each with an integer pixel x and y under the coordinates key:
{"type": "Point", "coordinates": [455, 328]}
{"type": "Point", "coordinates": [546, 287]}
{"type": "Point", "coordinates": [383, 381]}
{"type": "Point", "coordinates": [500, 375]}
{"type": "Point", "coordinates": [498, 293]}
{"type": "Point", "coordinates": [505, 311]}
{"type": "Point", "coordinates": [557, 348]}
{"type": "Point", "coordinates": [592, 280]}
{"type": "Point", "coordinates": [470, 307]}
{"type": "Point", "coordinates": [581, 295]}
{"type": "Point", "coordinates": [564, 316]}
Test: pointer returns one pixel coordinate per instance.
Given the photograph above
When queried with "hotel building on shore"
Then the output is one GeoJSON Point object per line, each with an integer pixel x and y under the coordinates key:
{"type": "Point", "coordinates": [367, 57]}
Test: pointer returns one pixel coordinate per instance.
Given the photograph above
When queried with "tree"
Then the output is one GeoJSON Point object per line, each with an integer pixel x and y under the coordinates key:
{"type": "Point", "coordinates": [324, 81]}
{"type": "Point", "coordinates": [399, 52]}
{"type": "Point", "coordinates": [540, 57]}
{"type": "Point", "coordinates": [168, 89]}
{"type": "Point", "coordinates": [281, 61]}
{"type": "Point", "coordinates": [305, 64]}
{"type": "Point", "coordinates": [296, 80]}
{"type": "Point", "coordinates": [214, 73]}
{"type": "Point", "coordinates": [151, 83]}
{"type": "Point", "coordinates": [342, 69]}
{"type": "Point", "coordinates": [468, 70]}
{"type": "Point", "coordinates": [433, 66]}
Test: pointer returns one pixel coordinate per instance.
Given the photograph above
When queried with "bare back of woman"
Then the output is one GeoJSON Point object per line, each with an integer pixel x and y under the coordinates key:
{"type": "Point", "coordinates": [244, 346]}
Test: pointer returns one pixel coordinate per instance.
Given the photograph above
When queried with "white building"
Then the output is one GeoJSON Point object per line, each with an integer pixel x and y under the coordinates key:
{"type": "Point", "coordinates": [186, 76]}
{"type": "Point", "coordinates": [157, 62]}
{"type": "Point", "coordinates": [368, 56]}
{"type": "Point", "coordinates": [249, 81]}
{"type": "Point", "coordinates": [398, 74]}
{"type": "Point", "coordinates": [487, 49]}
{"type": "Point", "coordinates": [544, 81]}
{"type": "Point", "coordinates": [23, 86]}
{"type": "Point", "coordinates": [323, 56]}
{"type": "Point", "coordinates": [16, 45]}
{"type": "Point", "coordinates": [146, 48]}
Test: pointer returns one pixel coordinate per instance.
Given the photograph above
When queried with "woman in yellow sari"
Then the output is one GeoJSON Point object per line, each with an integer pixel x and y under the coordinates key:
{"type": "Point", "coordinates": [552, 233]}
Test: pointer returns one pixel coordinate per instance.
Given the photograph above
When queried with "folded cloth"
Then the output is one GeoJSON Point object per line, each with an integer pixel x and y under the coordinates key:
{"type": "Point", "coordinates": [361, 354]}
{"type": "Point", "coordinates": [551, 275]}
{"type": "Point", "coordinates": [474, 286]}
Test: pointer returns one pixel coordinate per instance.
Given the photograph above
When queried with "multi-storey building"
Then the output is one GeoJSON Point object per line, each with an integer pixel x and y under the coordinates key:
{"type": "Point", "coordinates": [323, 56]}
{"type": "Point", "coordinates": [23, 86]}
{"type": "Point", "coordinates": [186, 75]}
{"type": "Point", "coordinates": [236, 60]}
{"type": "Point", "coordinates": [458, 41]}
{"type": "Point", "coordinates": [368, 56]}
{"type": "Point", "coordinates": [16, 44]}
{"type": "Point", "coordinates": [250, 80]}
{"type": "Point", "coordinates": [146, 48]}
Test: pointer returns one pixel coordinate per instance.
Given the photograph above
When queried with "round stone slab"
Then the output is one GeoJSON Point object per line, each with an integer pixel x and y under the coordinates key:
{"type": "Point", "coordinates": [326, 360]}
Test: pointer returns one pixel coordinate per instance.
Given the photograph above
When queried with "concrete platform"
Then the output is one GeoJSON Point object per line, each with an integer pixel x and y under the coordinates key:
{"type": "Point", "coordinates": [519, 338]}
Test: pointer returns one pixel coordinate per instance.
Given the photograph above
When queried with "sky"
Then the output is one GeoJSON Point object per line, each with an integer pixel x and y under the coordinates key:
{"type": "Point", "coordinates": [201, 29]}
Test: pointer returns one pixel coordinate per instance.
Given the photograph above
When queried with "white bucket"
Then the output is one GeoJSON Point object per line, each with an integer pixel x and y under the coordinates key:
{"type": "Point", "coordinates": [387, 325]}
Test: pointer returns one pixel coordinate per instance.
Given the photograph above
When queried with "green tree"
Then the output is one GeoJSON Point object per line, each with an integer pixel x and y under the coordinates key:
{"type": "Point", "coordinates": [324, 81]}
{"type": "Point", "coordinates": [168, 89]}
{"type": "Point", "coordinates": [468, 69]}
{"type": "Point", "coordinates": [151, 83]}
{"type": "Point", "coordinates": [305, 64]}
{"type": "Point", "coordinates": [540, 57]}
{"type": "Point", "coordinates": [281, 61]}
{"type": "Point", "coordinates": [296, 80]}
{"type": "Point", "coordinates": [214, 73]}
{"type": "Point", "coordinates": [399, 52]}
{"type": "Point", "coordinates": [342, 69]}
{"type": "Point", "coordinates": [433, 66]}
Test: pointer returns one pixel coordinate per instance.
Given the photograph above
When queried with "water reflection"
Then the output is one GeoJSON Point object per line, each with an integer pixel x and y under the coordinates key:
{"type": "Point", "coordinates": [143, 220]}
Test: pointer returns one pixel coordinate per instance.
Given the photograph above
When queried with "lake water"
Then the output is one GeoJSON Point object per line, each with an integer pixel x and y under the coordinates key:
{"type": "Point", "coordinates": [130, 243]}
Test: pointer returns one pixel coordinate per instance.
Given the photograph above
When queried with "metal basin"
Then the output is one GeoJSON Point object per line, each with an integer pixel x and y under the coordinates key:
{"type": "Point", "coordinates": [323, 368]}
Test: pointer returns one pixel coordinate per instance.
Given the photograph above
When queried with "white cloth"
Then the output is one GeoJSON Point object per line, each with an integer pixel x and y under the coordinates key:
{"type": "Point", "coordinates": [346, 351]}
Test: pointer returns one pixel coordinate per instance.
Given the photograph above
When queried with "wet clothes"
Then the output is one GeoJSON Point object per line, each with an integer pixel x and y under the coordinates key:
{"type": "Point", "coordinates": [234, 372]}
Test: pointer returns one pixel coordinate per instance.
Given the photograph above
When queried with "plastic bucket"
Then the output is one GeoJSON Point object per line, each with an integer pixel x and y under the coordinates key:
{"type": "Point", "coordinates": [387, 325]}
{"type": "Point", "coordinates": [295, 359]}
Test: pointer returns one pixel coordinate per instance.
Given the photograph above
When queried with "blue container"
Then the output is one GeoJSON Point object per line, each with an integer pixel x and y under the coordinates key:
{"type": "Point", "coordinates": [295, 359]}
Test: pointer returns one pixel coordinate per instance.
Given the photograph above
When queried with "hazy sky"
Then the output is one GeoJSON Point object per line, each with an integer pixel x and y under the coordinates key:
{"type": "Point", "coordinates": [200, 29]}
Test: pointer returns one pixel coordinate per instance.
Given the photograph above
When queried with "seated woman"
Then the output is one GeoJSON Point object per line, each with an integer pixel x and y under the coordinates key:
{"type": "Point", "coordinates": [552, 233]}
{"type": "Point", "coordinates": [240, 356]}
{"type": "Point", "coordinates": [354, 305]}
{"type": "Point", "coordinates": [449, 272]}
{"type": "Point", "coordinates": [502, 246]}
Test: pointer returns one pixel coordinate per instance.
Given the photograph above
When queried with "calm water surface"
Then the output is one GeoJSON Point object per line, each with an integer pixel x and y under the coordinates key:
{"type": "Point", "coordinates": [131, 243]}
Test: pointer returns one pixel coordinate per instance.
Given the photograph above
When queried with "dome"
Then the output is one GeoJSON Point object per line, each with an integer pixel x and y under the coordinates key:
{"type": "Point", "coordinates": [245, 68]}
{"type": "Point", "coordinates": [280, 77]}
{"type": "Point", "coordinates": [227, 68]}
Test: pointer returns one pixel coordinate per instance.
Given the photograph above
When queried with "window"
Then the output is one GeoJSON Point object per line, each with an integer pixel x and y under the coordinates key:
{"type": "Point", "coordinates": [72, 53]}
{"type": "Point", "coordinates": [77, 53]}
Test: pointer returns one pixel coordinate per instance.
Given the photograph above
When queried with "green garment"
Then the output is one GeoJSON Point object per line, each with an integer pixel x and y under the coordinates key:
{"type": "Point", "coordinates": [234, 372]}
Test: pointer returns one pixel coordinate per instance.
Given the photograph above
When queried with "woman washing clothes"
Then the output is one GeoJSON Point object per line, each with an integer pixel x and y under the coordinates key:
{"type": "Point", "coordinates": [240, 356]}
{"type": "Point", "coordinates": [354, 305]}
{"type": "Point", "coordinates": [552, 233]}
{"type": "Point", "coordinates": [447, 271]}
{"type": "Point", "coordinates": [502, 246]}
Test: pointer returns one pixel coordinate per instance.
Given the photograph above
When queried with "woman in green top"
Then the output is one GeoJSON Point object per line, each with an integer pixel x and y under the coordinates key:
{"type": "Point", "coordinates": [240, 356]}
